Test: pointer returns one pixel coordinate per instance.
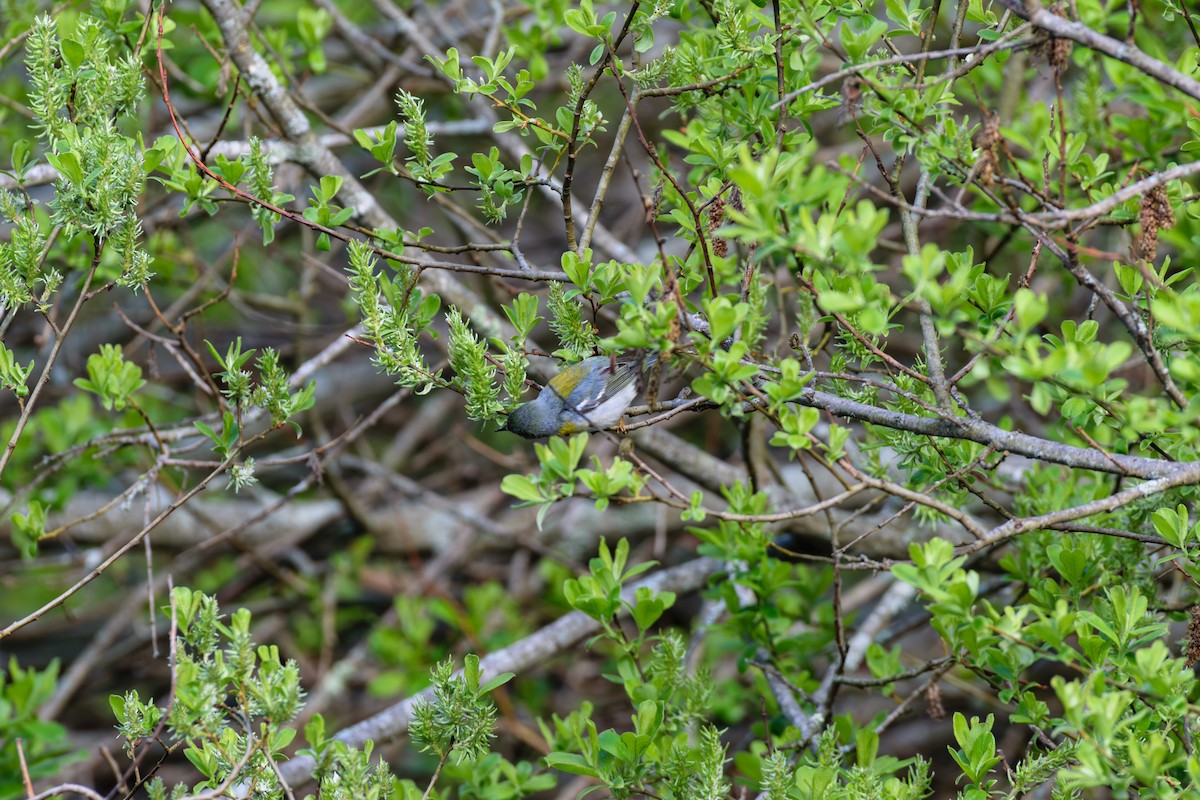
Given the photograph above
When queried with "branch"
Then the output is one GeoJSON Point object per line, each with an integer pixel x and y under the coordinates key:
{"type": "Point", "coordinates": [1188, 474]}
{"type": "Point", "coordinates": [985, 433]}
{"type": "Point", "coordinates": [1078, 32]}
{"type": "Point", "coordinates": [1047, 220]}
{"type": "Point", "coordinates": [979, 53]}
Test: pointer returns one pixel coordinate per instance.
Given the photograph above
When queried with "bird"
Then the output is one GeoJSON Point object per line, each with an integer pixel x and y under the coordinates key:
{"type": "Point", "coordinates": [589, 396]}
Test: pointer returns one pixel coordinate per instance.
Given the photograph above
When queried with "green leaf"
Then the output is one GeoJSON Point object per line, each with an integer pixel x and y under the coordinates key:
{"type": "Point", "coordinates": [572, 763]}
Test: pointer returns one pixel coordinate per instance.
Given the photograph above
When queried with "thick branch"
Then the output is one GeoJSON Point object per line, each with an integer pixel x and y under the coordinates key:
{"type": "Point", "coordinates": [985, 433]}
{"type": "Point", "coordinates": [1078, 32]}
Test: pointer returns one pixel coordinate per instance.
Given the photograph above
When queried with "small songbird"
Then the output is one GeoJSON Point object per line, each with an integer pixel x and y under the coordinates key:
{"type": "Point", "coordinates": [589, 396]}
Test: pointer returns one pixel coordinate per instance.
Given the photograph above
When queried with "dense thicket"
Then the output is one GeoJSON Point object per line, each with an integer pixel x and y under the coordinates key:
{"type": "Point", "coordinates": [903, 506]}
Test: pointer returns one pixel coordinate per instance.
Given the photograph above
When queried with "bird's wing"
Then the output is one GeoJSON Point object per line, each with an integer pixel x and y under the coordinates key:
{"type": "Point", "coordinates": [615, 381]}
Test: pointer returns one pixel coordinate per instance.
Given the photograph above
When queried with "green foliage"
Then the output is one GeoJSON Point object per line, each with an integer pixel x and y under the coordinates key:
{"type": "Point", "coordinates": [394, 314]}
{"type": "Point", "coordinates": [223, 682]}
{"type": "Point", "coordinates": [559, 459]}
{"type": "Point", "coordinates": [411, 647]}
{"type": "Point", "coordinates": [578, 337]}
{"type": "Point", "coordinates": [101, 173]}
{"type": "Point", "coordinates": [475, 375]}
{"type": "Point", "coordinates": [274, 394]}
{"type": "Point", "coordinates": [598, 594]}
{"type": "Point", "coordinates": [977, 755]}
{"type": "Point", "coordinates": [313, 25]}
{"type": "Point", "coordinates": [494, 776]}
{"type": "Point", "coordinates": [29, 528]}
{"type": "Point", "coordinates": [670, 751]}
{"type": "Point", "coordinates": [826, 772]}
{"type": "Point", "coordinates": [523, 315]}
{"type": "Point", "coordinates": [498, 185]}
{"type": "Point", "coordinates": [965, 323]}
{"type": "Point", "coordinates": [111, 377]}
{"type": "Point", "coordinates": [348, 773]}
{"type": "Point", "coordinates": [12, 375]}
{"type": "Point", "coordinates": [43, 745]}
{"type": "Point", "coordinates": [560, 473]}
{"type": "Point", "coordinates": [460, 719]}
{"type": "Point", "coordinates": [323, 211]}
{"type": "Point", "coordinates": [260, 180]}
{"type": "Point", "coordinates": [1128, 684]}
{"type": "Point", "coordinates": [424, 167]}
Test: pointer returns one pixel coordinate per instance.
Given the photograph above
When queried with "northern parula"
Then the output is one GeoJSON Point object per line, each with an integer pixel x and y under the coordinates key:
{"type": "Point", "coordinates": [589, 396]}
